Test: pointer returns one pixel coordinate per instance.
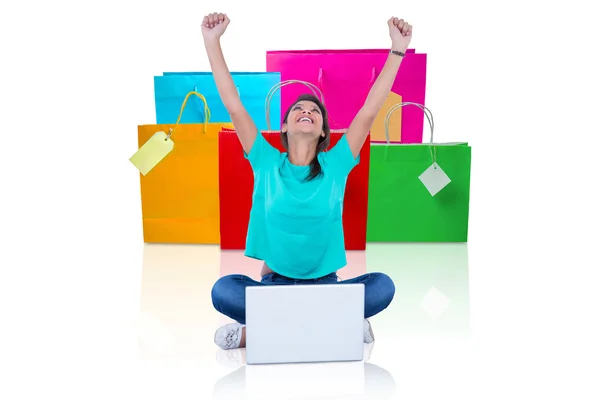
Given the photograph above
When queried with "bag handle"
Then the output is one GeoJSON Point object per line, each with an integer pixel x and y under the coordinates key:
{"type": "Point", "coordinates": [206, 112]}
{"type": "Point", "coordinates": [428, 115]}
{"type": "Point", "coordinates": [281, 84]}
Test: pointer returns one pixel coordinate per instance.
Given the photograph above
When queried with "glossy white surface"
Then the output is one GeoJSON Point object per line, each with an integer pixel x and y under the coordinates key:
{"type": "Point", "coordinates": [151, 335]}
{"type": "Point", "coordinates": [431, 306]}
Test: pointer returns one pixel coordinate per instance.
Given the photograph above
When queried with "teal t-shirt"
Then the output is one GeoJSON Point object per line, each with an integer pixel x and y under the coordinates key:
{"type": "Point", "coordinates": [296, 225]}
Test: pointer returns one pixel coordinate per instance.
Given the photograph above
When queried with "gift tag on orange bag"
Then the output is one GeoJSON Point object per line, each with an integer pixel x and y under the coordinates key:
{"type": "Point", "coordinates": [434, 178]}
{"type": "Point", "coordinates": [152, 152]}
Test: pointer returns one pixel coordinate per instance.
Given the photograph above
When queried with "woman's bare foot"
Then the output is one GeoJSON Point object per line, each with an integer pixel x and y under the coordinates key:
{"type": "Point", "coordinates": [231, 336]}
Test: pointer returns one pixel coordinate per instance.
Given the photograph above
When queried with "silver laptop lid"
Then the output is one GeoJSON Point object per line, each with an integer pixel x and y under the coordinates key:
{"type": "Point", "coordinates": [304, 323]}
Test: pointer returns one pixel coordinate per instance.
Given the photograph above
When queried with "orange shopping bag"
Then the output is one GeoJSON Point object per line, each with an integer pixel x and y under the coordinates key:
{"type": "Point", "coordinates": [179, 180]}
{"type": "Point", "coordinates": [394, 124]}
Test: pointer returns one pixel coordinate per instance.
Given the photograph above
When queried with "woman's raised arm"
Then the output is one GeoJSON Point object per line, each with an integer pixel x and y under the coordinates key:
{"type": "Point", "coordinates": [213, 27]}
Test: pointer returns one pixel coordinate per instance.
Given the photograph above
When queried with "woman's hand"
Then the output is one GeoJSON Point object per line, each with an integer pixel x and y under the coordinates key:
{"type": "Point", "coordinates": [214, 25]}
{"type": "Point", "coordinates": [400, 33]}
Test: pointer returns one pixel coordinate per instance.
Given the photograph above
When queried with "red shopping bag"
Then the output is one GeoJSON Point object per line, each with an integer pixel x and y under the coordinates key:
{"type": "Point", "coordinates": [236, 182]}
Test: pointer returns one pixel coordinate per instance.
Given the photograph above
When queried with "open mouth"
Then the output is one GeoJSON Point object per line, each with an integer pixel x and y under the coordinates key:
{"type": "Point", "coordinates": [305, 120]}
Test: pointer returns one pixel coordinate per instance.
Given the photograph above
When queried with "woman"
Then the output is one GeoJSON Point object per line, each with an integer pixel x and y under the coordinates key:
{"type": "Point", "coordinates": [296, 218]}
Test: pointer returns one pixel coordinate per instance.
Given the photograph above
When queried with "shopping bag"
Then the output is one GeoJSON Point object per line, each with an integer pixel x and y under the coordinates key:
{"type": "Point", "coordinates": [419, 192]}
{"type": "Point", "coordinates": [394, 123]}
{"type": "Point", "coordinates": [180, 193]}
{"type": "Point", "coordinates": [236, 181]}
{"type": "Point", "coordinates": [345, 78]}
{"type": "Point", "coordinates": [171, 88]}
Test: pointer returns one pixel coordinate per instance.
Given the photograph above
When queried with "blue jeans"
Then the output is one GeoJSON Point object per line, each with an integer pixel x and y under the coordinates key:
{"type": "Point", "coordinates": [229, 292]}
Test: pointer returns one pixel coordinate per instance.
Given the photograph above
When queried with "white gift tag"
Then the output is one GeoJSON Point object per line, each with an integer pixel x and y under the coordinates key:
{"type": "Point", "coordinates": [434, 179]}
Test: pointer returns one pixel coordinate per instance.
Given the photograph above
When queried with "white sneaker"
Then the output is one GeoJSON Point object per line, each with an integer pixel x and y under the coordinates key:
{"type": "Point", "coordinates": [368, 332]}
{"type": "Point", "coordinates": [367, 351]}
{"type": "Point", "coordinates": [229, 336]}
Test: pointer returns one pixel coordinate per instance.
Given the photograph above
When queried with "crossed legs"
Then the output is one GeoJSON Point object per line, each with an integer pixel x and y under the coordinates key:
{"type": "Point", "coordinates": [229, 298]}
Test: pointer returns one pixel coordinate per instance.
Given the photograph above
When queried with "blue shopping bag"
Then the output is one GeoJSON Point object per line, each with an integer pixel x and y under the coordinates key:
{"type": "Point", "coordinates": [171, 88]}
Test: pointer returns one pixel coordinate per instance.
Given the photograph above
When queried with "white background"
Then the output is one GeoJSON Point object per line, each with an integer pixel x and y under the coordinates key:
{"type": "Point", "coordinates": [518, 80]}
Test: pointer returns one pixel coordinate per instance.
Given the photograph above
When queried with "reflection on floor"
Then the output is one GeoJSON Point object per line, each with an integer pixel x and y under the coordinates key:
{"type": "Point", "coordinates": [309, 381]}
{"type": "Point", "coordinates": [177, 320]}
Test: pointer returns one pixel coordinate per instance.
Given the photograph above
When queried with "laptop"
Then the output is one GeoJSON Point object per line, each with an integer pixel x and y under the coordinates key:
{"type": "Point", "coordinates": [304, 323]}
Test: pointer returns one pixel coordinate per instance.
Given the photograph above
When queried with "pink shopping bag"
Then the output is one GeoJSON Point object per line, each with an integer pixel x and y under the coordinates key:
{"type": "Point", "coordinates": [345, 78]}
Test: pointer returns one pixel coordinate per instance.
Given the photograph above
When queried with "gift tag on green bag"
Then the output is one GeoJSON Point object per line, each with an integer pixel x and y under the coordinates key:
{"type": "Point", "coordinates": [434, 179]}
{"type": "Point", "coordinates": [152, 152]}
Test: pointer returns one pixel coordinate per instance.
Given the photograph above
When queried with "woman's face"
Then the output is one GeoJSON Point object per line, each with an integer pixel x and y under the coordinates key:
{"type": "Point", "coordinates": [305, 118]}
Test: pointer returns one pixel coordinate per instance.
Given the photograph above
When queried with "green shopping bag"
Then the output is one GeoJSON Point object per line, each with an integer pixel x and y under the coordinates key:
{"type": "Point", "coordinates": [418, 192]}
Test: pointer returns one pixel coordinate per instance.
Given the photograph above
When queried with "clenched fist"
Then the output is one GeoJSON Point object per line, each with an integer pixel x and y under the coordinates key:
{"type": "Point", "coordinates": [214, 25]}
{"type": "Point", "coordinates": [400, 33]}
